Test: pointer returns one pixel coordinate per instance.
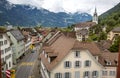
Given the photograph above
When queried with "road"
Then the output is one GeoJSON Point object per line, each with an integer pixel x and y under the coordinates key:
{"type": "Point", "coordinates": [25, 68]}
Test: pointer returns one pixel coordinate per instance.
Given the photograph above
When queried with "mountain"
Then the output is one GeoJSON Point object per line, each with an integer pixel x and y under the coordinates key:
{"type": "Point", "coordinates": [111, 18]}
{"type": "Point", "coordinates": [110, 11]}
{"type": "Point", "coordinates": [23, 15]}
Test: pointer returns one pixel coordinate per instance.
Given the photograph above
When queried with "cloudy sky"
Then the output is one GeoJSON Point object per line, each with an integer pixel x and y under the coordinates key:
{"type": "Point", "coordinates": [70, 5]}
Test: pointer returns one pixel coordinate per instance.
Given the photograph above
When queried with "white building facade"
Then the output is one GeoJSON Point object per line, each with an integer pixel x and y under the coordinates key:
{"type": "Point", "coordinates": [6, 52]}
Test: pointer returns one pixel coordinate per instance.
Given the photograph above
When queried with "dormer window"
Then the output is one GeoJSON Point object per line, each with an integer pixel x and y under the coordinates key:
{"type": "Point", "coordinates": [96, 57]}
{"type": "Point", "coordinates": [116, 63]}
{"type": "Point", "coordinates": [107, 62]}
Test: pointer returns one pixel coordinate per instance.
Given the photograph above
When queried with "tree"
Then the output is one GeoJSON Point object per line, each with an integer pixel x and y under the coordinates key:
{"type": "Point", "coordinates": [102, 36]}
{"type": "Point", "coordinates": [115, 46]}
{"type": "Point", "coordinates": [111, 22]}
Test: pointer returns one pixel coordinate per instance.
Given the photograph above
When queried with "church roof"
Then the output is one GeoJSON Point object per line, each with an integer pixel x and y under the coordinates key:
{"type": "Point", "coordinates": [85, 24]}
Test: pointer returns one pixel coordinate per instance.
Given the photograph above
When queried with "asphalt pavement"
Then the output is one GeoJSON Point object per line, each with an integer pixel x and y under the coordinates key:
{"type": "Point", "coordinates": [27, 64]}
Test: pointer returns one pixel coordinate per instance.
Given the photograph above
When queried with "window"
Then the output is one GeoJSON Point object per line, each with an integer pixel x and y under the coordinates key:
{"type": "Point", "coordinates": [2, 51]}
{"type": "Point", "coordinates": [5, 42]}
{"type": "Point", "coordinates": [95, 73]}
{"type": "Point", "coordinates": [87, 63]}
{"type": "Point", "coordinates": [112, 73]}
{"type": "Point", "coordinates": [1, 36]}
{"type": "Point", "coordinates": [104, 73]}
{"type": "Point", "coordinates": [2, 60]}
{"type": "Point", "coordinates": [86, 74]}
{"type": "Point", "coordinates": [77, 64]}
{"type": "Point", "coordinates": [77, 74]}
{"type": "Point", "coordinates": [9, 64]}
{"type": "Point", "coordinates": [77, 54]}
{"type": "Point", "coordinates": [58, 75]}
{"type": "Point", "coordinates": [1, 43]}
{"type": "Point", "coordinates": [67, 75]}
{"type": "Point", "coordinates": [6, 66]}
{"type": "Point", "coordinates": [67, 64]}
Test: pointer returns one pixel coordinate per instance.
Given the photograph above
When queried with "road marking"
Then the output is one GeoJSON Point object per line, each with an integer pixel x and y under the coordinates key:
{"type": "Point", "coordinates": [27, 64]}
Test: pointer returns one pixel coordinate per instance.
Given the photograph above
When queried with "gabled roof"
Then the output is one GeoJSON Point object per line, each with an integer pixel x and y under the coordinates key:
{"type": "Point", "coordinates": [109, 57]}
{"type": "Point", "coordinates": [62, 45]}
{"type": "Point", "coordinates": [61, 48]}
{"type": "Point", "coordinates": [91, 46]}
{"type": "Point", "coordinates": [85, 24]}
{"type": "Point", "coordinates": [17, 34]}
{"type": "Point", "coordinates": [117, 29]}
{"type": "Point", "coordinates": [82, 32]}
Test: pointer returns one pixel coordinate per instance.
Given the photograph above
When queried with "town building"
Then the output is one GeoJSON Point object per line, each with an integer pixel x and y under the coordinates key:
{"type": "Point", "coordinates": [113, 33]}
{"type": "Point", "coordinates": [18, 46]}
{"type": "Point", "coordinates": [65, 57]}
{"type": "Point", "coordinates": [35, 37]}
{"type": "Point", "coordinates": [27, 40]}
{"type": "Point", "coordinates": [6, 51]}
{"type": "Point", "coordinates": [83, 29]}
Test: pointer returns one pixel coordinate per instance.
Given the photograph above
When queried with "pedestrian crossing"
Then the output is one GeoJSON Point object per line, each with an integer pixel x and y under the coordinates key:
{"type": "Point", "coordinates": [27, 64]}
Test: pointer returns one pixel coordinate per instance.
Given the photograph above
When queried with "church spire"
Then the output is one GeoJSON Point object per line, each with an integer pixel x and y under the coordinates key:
{"type": "Point", "coordinates": [95, 16]}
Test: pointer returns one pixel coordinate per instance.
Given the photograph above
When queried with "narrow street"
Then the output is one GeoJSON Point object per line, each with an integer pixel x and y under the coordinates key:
{"type": "Point", "coordinates": [26, 67]}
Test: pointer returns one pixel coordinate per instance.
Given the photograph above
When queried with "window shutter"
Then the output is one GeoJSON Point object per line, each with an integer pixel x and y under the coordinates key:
{"type": "Point", "coordinates": [93, 73]}
{"type": "Point", "coordinates": [88, 74]}
{"type": "Point", "coordinates": [70, 64]}
{"type": "Point", "coordinates": [64, 64]}
{"type": "Point", "coordinates": [90, 63]}
{"type": "Point", "coordinates": [80, 63]}
{"type": "Point", "coordinates": [60, 75]}
{"type": "Point", "coordinates": [85, 63]}
{"type": "Point", "coordinates": [77, 74]}
{"type": "Point", "coordinates": [97, 73]}
{"type": "Point", "coordinates": [70, 75]}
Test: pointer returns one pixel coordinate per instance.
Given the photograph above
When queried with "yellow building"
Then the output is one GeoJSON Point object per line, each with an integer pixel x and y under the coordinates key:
{"type": "Point", "coordinates": [113, 33]}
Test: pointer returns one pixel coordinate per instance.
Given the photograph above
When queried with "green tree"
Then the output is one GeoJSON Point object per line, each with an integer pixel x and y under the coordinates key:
{"type": "Point", "coordinates": [115, 46]}
{"type": "Point", "coordinates": [111, 22]}
{"type": "Point", "coordinates": [102, 36]}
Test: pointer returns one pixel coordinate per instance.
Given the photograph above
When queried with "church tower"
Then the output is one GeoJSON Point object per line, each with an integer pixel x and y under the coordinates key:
{"type": "Point", "coordinates": [95, 17]}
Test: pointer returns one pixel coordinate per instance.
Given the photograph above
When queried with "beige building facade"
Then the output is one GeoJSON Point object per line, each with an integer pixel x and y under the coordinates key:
{"type": "Point", "coordinates": [66, 57]}
{"type": "Point", "coordinates": [115, 32]}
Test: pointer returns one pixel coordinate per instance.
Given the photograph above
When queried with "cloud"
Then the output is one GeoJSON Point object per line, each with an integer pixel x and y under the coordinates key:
{"type": "Point", "coordinates": [70, 5]}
